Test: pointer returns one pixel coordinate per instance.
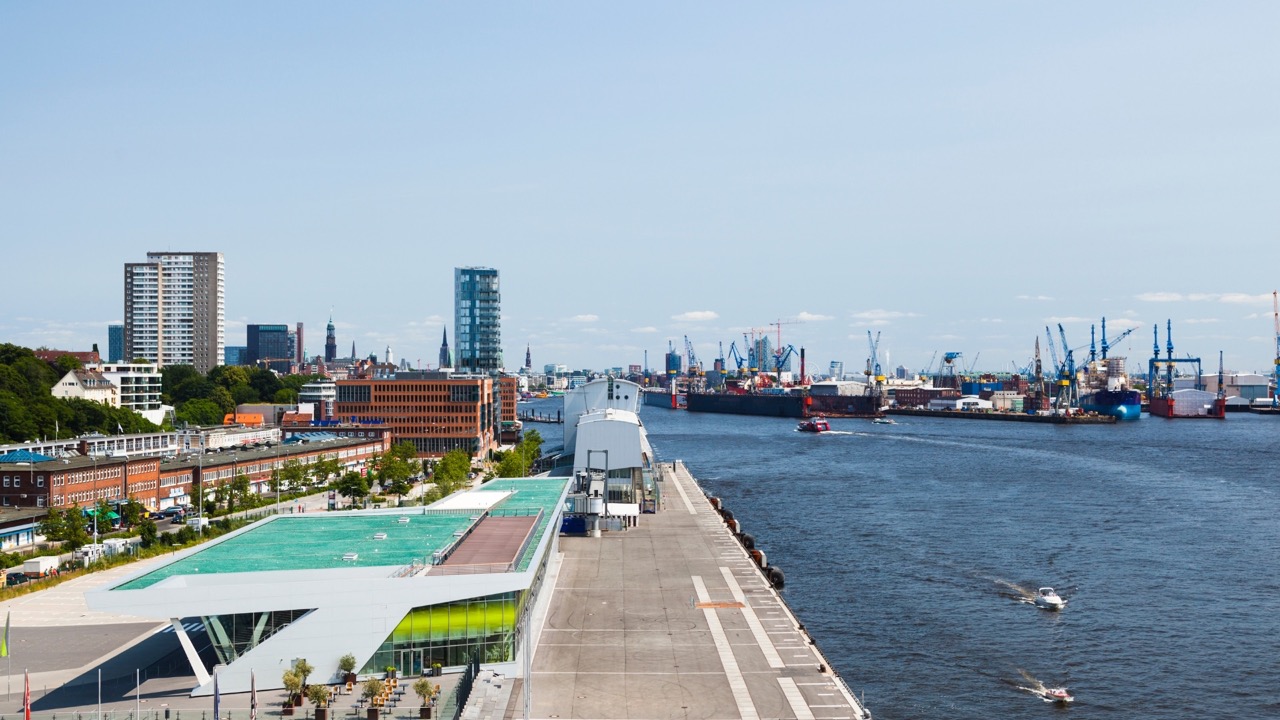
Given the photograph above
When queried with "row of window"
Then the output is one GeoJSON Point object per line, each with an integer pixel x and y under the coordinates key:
{"type": "Point", "coordinates": [17, 481]}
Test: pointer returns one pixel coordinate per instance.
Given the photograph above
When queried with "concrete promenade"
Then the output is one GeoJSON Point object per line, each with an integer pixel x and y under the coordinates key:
{"type": "Point", "coordinates": [672, 619]}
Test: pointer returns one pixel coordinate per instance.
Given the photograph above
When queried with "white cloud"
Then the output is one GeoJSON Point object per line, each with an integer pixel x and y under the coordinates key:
{"type": "Point", "coordinates": [588, 318]}
{"type": "Point", "coordinates": [1124, 323]}
{"type": "Point", "coordinates": [880, 317]}
{"type": "Point", "coordinates": [1245, 299]}
{"type": "Point", "coordinates": [645, 329]}
{"type": "Point", "coordinates": [812, 317]}
{"type": "Point", "coordinates": [1159, 297]}
{"type": "Point", "coordinates": [1200, 321]}
{"type": "Point", "coordinates": [696, 316]}
{"type": "Point", "coordinates": [1070, 319]}
{"type": "Point", "coordinates": [992, 320]}
{"type": "Point", "coordinates": [1034, 297]}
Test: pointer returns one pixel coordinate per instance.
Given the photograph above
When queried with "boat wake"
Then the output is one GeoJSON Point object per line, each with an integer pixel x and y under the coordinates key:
{"type": "Point", "coordinates": [1039, 689]}
{"type": "Point", "coordinates": [1014, 591]}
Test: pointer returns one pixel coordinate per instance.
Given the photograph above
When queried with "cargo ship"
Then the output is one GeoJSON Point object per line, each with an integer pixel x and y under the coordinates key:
{"type": "Point", "coordinates": [780, 404]}
{"type": "Point", "coordinates": [661, 397]}
{"type": "Point", "coordinates": [1106, 390]}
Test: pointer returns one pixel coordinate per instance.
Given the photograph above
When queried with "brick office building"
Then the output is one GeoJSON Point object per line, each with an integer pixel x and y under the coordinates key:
{"type": "Point", "coordinates": [437, 412]}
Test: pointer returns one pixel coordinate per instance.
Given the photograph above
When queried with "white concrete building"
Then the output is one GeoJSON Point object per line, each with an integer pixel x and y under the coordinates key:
{"type": "Point", "coordinates": [970, 403]}
{"type": "Point", "coordinates": [404, 588]}
{"type": "Point", "coordinates": [139, 386]}
{"type": "Point", "coordinates": [88, 385]}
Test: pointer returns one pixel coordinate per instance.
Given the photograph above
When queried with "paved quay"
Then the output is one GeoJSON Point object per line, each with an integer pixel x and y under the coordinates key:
{"type": "Point", "coordinates": [672, 619]}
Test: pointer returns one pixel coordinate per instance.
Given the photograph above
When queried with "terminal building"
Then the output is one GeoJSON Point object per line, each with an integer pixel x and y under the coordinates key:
{"type": "Point", "coordinates": [406, 588]}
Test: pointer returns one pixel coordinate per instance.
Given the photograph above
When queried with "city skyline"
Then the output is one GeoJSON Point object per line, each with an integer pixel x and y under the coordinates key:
{"type": "Point", "coordinates": [955, 178]}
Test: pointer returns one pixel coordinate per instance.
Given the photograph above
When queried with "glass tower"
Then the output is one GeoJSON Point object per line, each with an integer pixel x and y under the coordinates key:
{"type": "Point", "coordinates": [476, 320]}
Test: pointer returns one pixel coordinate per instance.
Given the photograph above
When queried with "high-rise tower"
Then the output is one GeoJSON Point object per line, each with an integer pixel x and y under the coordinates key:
{"type": "Point", "coordinates": [331, 343]}
{"type": "Point", "coordinates": [175, 309]}
{"type": "Point", "coordinates": [477, 306]}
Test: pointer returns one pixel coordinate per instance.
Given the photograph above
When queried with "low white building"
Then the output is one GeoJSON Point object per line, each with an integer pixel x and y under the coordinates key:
{"type": "Point", "coordinates": [140, 386]}
{"type": "Point", "coordinates": [87, 385]}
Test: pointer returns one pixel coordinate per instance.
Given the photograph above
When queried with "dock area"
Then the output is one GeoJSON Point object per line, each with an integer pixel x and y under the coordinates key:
{"type": "Point", "coordinates": [672, 619]}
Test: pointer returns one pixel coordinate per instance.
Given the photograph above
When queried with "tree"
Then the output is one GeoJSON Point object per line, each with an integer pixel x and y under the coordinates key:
{"type": "Point", "coordinates": [451, 472]}
{"type": "Point", "coordinates": [265, 382]}
{"type": "Point", "coordinates": [373, 687]}
{"type": "Point", "coordinates": [102, 516]}
{"type": "Point", "coordinates": [352, 486]}
{"type": "Point", "coordinates": [200, 412]}
{"type": "Point", "coordinates": [131, 513]}
{"type": "Point", "coordinates": [511, 464]}
{"type": "Point", "coordinates": [238, 492]}
{"type": "Point", "coordinates": [292, 683]}
{"type": "Point", "coordinates": [171, 376]}
{"type": "Point", "coordinates": [222, 397]}
{"type": "Point", "coordinates": [303, 669]}
{"type": "Point", "coordinates": [285, 396]}
{"type": "Point", "coordinates": [147, 532]}
{"type": "Point", "coordinates": [67, 363]}
{"type": "Point", "coordinates": [292, 475]}
{"type": "Point", "coordinates": [244, 393]}
{"type": "Point", "coordinates": [394, 472]}
{"type": "Point", "coordinates": [54, 525]}
{"type": "Point", "coordinates": [229, 376]}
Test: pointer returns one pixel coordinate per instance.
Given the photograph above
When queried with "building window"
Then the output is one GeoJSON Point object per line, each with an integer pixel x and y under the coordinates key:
{"type": "Point", "coordinates": [6, 481]}
{"type": "Point", "coordinates": [39, 501]}
{"type": "Point", "coordinates": [17, 481]}
{"type": "Point", "coordinates": [40, 481]}
{"type": "Point", "coordinates": [6, 502]}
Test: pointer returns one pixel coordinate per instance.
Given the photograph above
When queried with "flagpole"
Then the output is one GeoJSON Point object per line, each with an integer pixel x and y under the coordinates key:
{"type": "Point", "coordinates": [137, 693]}
{"type": "Point", "coordinates": [99, 693]}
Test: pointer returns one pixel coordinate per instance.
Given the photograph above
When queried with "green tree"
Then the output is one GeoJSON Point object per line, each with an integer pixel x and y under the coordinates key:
{"type": "Point", "coordinates": [147, 532]}
{"type": "Point", "coordinates": [222, 398]}
{"type": "Point", "coordinates": [285, 396]}
{"type": "Point", "coordinates": [131, 513]}
{"type": "Point", "coordinates": [293, 474]}
{"type": "Point", "coordinates": [393, 473]}
{"type": "Point", "coordinates": [67, 363]}
{"type": "Point", "coordinates": [352, 486]}
{"type": "Point", "coordinates": [200, 412]}
{"type": "Point", "coordinates": [265, 382]}
{"type": "Point", "coordinates": [229, 376]}
{"type": "Point", "coordinates": [452, 470]}
{"type": "Point", "coordinates": [244, 393]}
{"type": "Point", "coordinates": [102, 513]}
{"type": "Point", "coordinates": [54, 525]}
{"type": "Point", "coordinates": [303, 669]}
{"type": "Point", "coordinates": [171, 376]}
{"type": "Point", "coordinates": [238, 492]}
{"type": "Point", "coordinates": [511, 464]}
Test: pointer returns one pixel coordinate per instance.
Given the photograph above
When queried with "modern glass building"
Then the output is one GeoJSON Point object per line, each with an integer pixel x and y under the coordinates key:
{"type": "Point", "coordinates": [267, 342]}
{"type": "Point", "coordinates": [115, 343]}
{"type": "Point", "coordinates": [477, 311]}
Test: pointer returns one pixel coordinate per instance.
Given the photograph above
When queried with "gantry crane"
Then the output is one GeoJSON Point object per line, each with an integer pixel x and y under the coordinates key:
{"type": "Point", "coordinates": [695, 370]}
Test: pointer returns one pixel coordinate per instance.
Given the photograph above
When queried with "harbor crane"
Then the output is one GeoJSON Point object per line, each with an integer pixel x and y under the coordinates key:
{"type": "Point", "coordinates": [1275, 388]}
{"type": "Point", "coordinates": [739, 361]}
{"type": "Point", "coordinates": [695, 370]}
{"type": "Point", "coordinates": [875, 378]}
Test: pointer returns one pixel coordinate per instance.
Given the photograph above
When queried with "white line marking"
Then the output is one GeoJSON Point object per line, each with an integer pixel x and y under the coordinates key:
{"type": "Point", "coordinates": [683, 496]}
{"type": "Point", "coordinates": [795, 699]}
{"type": "Point", "coordinates": [737, 683]}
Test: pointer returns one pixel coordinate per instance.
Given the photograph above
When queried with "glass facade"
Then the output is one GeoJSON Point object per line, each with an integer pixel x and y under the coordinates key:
{"type": "Point", "coordinates": [476, 319]}
{"type": "Point", "coordinates": [235, 635]}
{"type": "Point", "coordinates": [450, 634]}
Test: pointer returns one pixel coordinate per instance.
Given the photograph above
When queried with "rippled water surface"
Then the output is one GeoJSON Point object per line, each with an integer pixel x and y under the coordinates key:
{"type": "Point", "coordinates": [907, 549]}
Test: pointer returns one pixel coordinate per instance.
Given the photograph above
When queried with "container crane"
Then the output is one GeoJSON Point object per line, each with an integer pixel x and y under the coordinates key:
{"type": "Point", "coordinates": [739, 361]}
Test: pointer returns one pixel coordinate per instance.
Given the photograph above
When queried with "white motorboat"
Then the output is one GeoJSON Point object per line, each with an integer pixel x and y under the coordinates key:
{"type": "Point", "coordinates": [1047, 599]}
{"type": "Point", "coordinates": [1056, 695]}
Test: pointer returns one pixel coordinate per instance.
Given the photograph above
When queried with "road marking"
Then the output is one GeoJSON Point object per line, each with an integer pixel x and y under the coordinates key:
{"type": "Point", "coordinates": [684, 496]}
{"type": "Point", "coordinates": [737, 683]}
{"type": "Point", "coordinates": [795, 699]}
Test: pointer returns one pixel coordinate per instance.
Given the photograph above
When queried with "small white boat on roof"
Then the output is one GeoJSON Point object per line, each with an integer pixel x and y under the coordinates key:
{"type": "Point", "coordinates": [1047, 599]}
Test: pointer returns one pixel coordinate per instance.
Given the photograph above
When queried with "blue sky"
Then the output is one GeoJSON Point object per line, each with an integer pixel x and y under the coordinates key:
{"type": "Point", "coordinates": [954, 176]}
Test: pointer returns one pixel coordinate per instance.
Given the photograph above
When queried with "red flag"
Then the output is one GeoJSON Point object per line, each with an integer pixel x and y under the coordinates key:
{"type": "Point", "coordinates": [26, 695]}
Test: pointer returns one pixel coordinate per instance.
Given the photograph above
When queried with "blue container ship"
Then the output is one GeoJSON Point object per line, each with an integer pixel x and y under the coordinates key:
{"type": "Point", "coordinates": [1106, 390]}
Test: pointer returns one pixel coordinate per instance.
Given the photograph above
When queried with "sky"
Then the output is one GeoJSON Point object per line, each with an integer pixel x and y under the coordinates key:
{"type": "Point", "coordinates": [952, 176]}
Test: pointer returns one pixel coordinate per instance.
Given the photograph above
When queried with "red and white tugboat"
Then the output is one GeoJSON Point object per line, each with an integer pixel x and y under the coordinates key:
{"type": "Point", "coordinates": [814, 425]}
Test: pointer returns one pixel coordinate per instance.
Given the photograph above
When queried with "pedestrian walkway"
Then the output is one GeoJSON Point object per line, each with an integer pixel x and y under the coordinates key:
{"type": "Point", "coordinates": [673, 619]}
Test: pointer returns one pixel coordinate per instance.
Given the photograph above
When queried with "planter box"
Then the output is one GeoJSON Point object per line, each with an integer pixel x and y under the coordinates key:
{"type": "Point", "coordinates": [322, 713]}
{"type": "Point", "coordinates": [424, 712]}
{"type": "Point", "coordinates": [371, 713]}
{"type": "Point", "coordinates": [286, 710]}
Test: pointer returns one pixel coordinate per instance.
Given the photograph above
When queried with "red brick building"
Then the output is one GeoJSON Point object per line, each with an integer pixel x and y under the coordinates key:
{"type": "Point", "coordinates": [437, 412]}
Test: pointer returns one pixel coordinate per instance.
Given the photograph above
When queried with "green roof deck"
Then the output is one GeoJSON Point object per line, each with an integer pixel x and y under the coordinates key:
{"type": "Point", "coordinates": [317, 543]}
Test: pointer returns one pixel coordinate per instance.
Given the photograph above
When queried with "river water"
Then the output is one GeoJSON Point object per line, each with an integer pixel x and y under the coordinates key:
{"type": "Point", "coordinates": [908, 549]}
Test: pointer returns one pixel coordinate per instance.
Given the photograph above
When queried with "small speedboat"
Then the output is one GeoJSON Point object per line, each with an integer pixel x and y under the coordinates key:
{"type": "Point", "coordinates": [884, 421]}
{"type": "Point", "coordinates": [1047, 599]}
{"type": "Point", "coordinates": [814, 425]}
{"type": "Point", "coordinates": [1056, 695]}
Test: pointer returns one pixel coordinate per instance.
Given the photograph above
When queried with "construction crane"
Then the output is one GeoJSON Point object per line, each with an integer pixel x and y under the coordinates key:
{"type": "Point", "coordinates": [724, 367]}
{"type": "Point", "coordinates": [875, 378]}
{"type": "Point", "coordinates": [1064, 371]}
{"type": "Point", "coordinates": [929, 368]}
{"type": "Point", "coordinates": [780, 358]}
{"type": "Point", "coordinates": [1275, 391]}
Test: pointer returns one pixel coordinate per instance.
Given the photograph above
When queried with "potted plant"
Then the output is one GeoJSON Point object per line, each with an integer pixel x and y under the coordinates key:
{"type": "Point", "coordinates": [319, 694]}
{"type": "Point", "coordinates": [391, 672]}
{"type": "Point", "coordinates": [292, 685]}
{"type": "Point", "coordinates": [437, 669]}
{"type": "Point", "coordinates": [303, 670]}
{"type": "Point", "coordinates": [347, 665]}
{"type": "Point", "coordinates": [423, 688]}
{"type": "Point", "coordinates": [373, 688]}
